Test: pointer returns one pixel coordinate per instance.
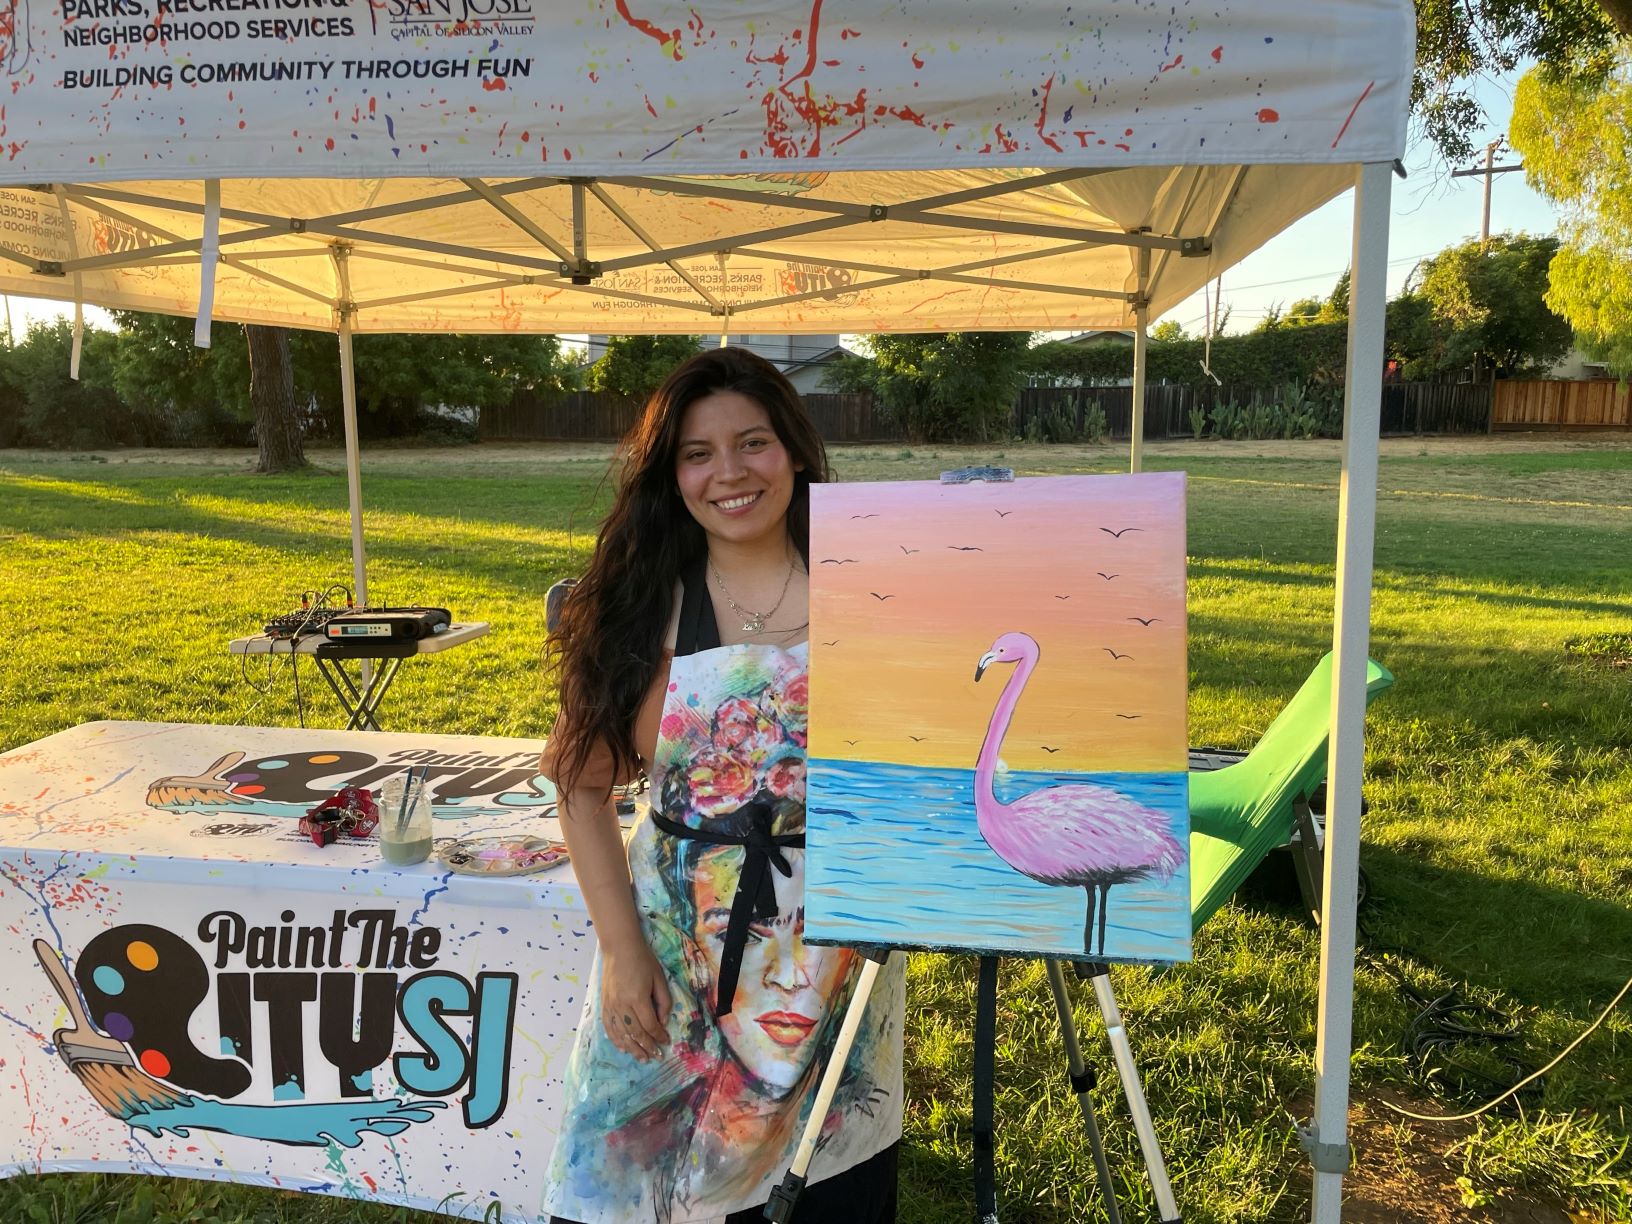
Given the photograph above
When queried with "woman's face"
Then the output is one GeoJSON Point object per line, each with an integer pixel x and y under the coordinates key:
{"type": "Point", "coordinates": [785, 985]}
{"type": "Point", "coordinates": [733, 472]}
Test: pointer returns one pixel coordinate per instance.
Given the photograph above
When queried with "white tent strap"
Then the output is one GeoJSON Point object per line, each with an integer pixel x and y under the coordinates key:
{"type": "Point", "coordinates": [79, 287]}
{"type": "Point", "coordinates": [1211, 310]}
{"type": "Point", "coordinates": [725, 307]}
{"type": "Point", "coordinates": [208, 253]}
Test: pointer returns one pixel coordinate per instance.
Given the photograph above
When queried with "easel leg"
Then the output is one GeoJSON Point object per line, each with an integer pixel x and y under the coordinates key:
{"type": "Point", "coordinates": [985, 1087]}
{"type": "Point", "coordinates": [783, 1199]}
{"type": "Point", "coordinates": [1128, 1071]}
{"type": "Point", "coordinates": [1082, 1081]}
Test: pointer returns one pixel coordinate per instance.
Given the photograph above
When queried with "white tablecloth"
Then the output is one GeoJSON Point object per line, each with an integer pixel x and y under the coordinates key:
{"type": "Point", "coordinates": [329, 1023]}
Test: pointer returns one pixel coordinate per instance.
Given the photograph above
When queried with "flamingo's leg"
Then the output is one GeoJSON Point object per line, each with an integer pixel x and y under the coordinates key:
{"type": "Point", "coordinates": [1104, 909]}
{"type": "Point", "coordinates": [1088, 923]}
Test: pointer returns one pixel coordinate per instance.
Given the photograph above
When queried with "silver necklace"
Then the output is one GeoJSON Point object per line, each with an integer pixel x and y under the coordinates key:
{"type": "Point", "coordinates": [752, 622]}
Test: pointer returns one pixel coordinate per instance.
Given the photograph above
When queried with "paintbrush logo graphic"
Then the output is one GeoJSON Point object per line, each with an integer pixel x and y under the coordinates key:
{"type": "Point", "coordinates": [102, 1064]}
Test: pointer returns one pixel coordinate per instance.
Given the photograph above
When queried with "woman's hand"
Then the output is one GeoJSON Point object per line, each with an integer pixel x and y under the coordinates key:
{"type": "Point", "coordinates": [634, 1000]}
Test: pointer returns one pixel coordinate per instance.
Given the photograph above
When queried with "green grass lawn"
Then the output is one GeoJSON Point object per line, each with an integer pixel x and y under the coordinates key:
{"type": "Point", "coordinates": [1499, 777]}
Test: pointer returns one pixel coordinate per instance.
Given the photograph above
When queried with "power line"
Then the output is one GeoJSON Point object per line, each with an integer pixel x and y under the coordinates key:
{"type": "Point", "coordinates": [1293, 280]}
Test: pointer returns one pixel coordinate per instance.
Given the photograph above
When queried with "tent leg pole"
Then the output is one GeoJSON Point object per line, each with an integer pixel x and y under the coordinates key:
{"type": "Point", "coordinates": [1327, 1137]}
{"type": "Point", "coordinates": [1141, 321]}
{"type": "Point", "coordinates": [354, 474]}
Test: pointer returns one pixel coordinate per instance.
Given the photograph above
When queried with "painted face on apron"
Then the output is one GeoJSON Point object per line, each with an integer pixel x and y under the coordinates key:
{"type": "Point", "coordinates": [786, 987]}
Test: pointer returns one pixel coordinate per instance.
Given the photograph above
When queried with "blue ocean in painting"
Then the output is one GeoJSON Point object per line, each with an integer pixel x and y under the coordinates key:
{"type": "Point", "coordinates": [894, 857]}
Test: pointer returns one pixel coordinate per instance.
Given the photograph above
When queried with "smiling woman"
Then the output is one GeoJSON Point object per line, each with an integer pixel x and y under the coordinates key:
{"type": "Point", "coordinates": [682, 652]}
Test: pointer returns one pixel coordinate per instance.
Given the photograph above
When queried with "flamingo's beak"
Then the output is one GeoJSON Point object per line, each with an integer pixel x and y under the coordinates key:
{"type": "Point", "coordinates": [986, 661]}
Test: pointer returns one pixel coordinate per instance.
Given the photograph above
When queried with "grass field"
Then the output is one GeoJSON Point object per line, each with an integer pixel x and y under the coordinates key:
{"type": "Point", "coordinates": [1499, 778]}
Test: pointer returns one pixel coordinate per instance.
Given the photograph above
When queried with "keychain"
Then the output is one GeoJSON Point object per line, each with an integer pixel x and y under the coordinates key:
{"type": "Point", "coordinates": [351, 810]}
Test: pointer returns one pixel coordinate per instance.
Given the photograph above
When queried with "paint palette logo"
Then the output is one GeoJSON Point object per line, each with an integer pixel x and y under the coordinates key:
{"type": "Point", "coordinates": [290, 784]}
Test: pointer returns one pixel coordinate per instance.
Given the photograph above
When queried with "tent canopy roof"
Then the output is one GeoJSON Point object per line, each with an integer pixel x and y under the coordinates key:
{"type": "Point", "coordinates": [802, 169]}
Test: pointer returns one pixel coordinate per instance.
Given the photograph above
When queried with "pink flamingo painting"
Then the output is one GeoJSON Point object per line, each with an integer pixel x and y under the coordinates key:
{"type": "Point", "coordinates": [1072, 836]}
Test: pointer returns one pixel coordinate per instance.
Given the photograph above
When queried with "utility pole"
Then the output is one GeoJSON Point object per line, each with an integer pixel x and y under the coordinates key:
{"type": "Point", "coordinates": [1489, 170]}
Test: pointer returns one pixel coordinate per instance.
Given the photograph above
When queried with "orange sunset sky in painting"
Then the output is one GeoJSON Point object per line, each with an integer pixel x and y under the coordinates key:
{"type": "Point", "coordinates": [962, 564]}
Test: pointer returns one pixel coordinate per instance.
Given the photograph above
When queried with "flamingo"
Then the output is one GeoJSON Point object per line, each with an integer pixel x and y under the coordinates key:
{"type": "Point", "coordinates": [1071, 836]}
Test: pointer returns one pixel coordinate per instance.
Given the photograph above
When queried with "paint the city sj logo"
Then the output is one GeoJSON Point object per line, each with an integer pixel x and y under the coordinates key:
{"type": "Point", "coordinates": [308, 1032]}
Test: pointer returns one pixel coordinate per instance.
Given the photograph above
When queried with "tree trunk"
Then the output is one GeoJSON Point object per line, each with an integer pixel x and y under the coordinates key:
{"type": "Point", "coordinates": [1620, 12]}
{"type": "Point", "coordinates": [272, 395]}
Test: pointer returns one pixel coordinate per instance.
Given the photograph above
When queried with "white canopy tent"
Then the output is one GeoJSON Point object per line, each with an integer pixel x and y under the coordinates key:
{"type": "Point", "coordinates": [634, 166]}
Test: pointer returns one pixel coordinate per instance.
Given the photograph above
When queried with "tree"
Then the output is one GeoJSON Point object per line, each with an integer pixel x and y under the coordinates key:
{"type": "Point", "coordinates": [208, 393]}
{"type": "Point", "coordinates": [1493, 296]}
{"type": "Point", "coordinates": [272, 399]}
{"type": "Point", "coordinates": [635, 366]}
{"type": "Point", "coordinates": [1459, 41]}
{"type": "Point", "coordinates": [1415, 337]}
{"type": "Point", "coordinates": [1578, 153]}
{"type": "Point", "coordinates": [1168, 331]}
{"type": "Point", "coordinates": [944, 387]}
{"type": "Point", "coordinates": [43, 406]}
{"type": "Point", "coordinates": [1304, 310]}
{"type": "Point", "coordinates": [1335, 309]}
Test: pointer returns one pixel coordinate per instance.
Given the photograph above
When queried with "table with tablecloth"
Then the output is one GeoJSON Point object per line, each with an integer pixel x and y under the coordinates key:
{"type": "Point", "coordinates": [267, 1010]}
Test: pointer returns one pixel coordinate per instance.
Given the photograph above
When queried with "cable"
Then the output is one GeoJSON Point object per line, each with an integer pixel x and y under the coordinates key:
{"type": "Point", "coordinates": [1535, 1075]}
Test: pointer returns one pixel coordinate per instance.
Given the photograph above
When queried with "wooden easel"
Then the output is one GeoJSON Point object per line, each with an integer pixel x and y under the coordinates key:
{"type": "Point", "coordinates": [1082, 1078]}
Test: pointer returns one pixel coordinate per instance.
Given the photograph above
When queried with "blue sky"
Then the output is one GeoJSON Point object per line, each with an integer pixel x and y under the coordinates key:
{"type": "Point", "coordinates": [1431, 211]}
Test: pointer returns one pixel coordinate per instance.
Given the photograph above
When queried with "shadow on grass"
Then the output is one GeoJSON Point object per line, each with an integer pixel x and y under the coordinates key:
{"type": "Point", "coordinates": [454, 537]}
{"type": "Point", "coordinates": [1544, 946]}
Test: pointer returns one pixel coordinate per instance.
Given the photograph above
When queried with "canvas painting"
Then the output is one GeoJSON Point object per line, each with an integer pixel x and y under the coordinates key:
{"type": "Point", "coordinates": [998, 746]}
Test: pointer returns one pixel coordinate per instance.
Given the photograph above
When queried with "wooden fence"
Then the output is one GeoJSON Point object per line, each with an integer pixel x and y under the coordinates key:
{"type": "Point", "coordinates": [1408, 408]}
{"type": "Point", "coordinates": [1587, 404]}
{"type": "Point", "coordinates": [585, 416]}
{"type": "Point", "coordinates": [600, 416]}
{"type": "Point", "coordinates": [1425, 408]}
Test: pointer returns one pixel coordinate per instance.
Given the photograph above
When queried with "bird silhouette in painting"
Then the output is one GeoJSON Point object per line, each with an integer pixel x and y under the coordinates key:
{"type": "Point", "coordinates": [1146, 621]}
{"type": "Point", "coordinates": [880, 598]}
{"type": "Point", "coordinates": [1117, 535]}
{"type": "Point", "coordinates": [1003, 513]}
{"type": "Point", "coordinates": [905, 549]}
{"type": "Point", "coordinates": [1074, 835]}
{"type": "Point", "coordinates": [1113, 653]}
{"type": "Point", "coordinates": [1106, 576]}
{"type": "Point", "coordinates": [965, 548]}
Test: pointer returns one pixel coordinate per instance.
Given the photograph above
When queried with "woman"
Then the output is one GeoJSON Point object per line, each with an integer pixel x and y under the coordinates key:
{"type": "Point", "coordinates": [683, 651]}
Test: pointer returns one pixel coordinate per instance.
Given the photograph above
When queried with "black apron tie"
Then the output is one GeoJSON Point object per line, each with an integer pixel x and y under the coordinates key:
{"type": "Point", "coordinates": [756, 887]}
{"type": "Point", "coordinates": [755, 900]}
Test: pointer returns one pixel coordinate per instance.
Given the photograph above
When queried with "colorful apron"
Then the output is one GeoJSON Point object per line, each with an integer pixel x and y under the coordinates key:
{"type": "Point", "coordinates": [718, 870]}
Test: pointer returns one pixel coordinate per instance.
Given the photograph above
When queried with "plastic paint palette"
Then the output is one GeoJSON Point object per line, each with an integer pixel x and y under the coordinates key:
{"type": "Point", "coordinates": [502, 856]}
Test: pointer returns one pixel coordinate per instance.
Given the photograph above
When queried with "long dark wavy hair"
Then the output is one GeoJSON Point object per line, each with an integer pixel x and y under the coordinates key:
{"type": "Point", "coordinates": [609, 642]}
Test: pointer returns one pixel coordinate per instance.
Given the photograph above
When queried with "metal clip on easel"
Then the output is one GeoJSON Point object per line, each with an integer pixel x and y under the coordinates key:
{"type": "Point", "coordinates": [780, 1208]}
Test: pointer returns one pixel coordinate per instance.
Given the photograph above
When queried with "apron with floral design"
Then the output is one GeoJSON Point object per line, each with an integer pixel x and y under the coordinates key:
{"type": "Point", "coordinates": [718, 868]}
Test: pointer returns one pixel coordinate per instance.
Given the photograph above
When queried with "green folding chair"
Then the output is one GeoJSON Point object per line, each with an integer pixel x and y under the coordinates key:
{"type": "Point", "coordinates": [1240, 813]}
